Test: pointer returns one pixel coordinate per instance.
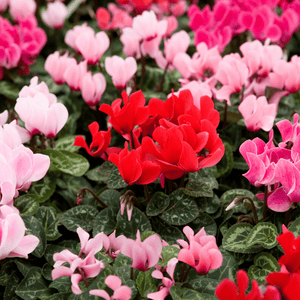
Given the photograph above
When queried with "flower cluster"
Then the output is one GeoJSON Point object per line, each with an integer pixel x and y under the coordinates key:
{"type": "Point", "coordinates": [20, 44]}
{"type": "Point", "coordinates": [173, 137]}
{"type": "Point", "coordinates": [276, 167]}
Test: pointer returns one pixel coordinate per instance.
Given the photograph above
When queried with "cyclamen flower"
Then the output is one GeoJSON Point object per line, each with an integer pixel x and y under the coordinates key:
{"type": "Point", "coordinates": [84, 265]}
{"type": "Point", "coordinates": [19, 9]}
{"type": "Point", "coordinates": [121, 70]}
{"type": "Point", "coordinates": [227, 289]}
{"type": "Point", "coordinates": [55, 14]}
{"type": "Point", "coordinates": [202, 252]}
{"type": "Point", "coordinates": [121, 292]}
{"type": "Point", "coordinates": [258, 113]}
{"type": "Point", "coordinates": [167, 282]}
{"type": "Point", "coordinates": [145, 254]}
{"type": "Point", "coordinates": [13, 241]}
{"type": "Point", "coordinates": [40, 111]}
{"type": "Point", "coordinates": [74, 74]}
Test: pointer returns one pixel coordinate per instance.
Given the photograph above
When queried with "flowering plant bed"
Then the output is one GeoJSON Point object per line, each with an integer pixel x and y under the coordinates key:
{"type": "Point", "coordinates": [149, 150]}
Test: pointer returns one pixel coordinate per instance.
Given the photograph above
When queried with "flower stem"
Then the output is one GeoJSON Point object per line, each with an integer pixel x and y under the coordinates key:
{"type": "Point", "coordinates": [287, 217]}
{"type": "Point", "coordinates": [146, 190]}
{"type": "Point", "coordinates": [265, 211]}
{"type": "Point", "coordinates": [83, 277]}
{"type": "Point", "coordinates": [186, 274]}
{"type": "Point", "coordinates": [161, 85]}
{"type": "Point", "coordinates": [81, 194]}
{"type": "Point", "coordinates": [225, 114]}
{"type": "Point", "coordinates": [132, 140]}
{"type": "Point", "coordinates": [182, 272]}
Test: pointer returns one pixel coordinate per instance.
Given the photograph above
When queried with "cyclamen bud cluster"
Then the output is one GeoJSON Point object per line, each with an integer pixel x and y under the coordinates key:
{"type": "Point", "coordinates": [276, 167]}
{"type": "Point", "coordinates": [172, 138]}
{"type": "Point", "coordinates": [202, 254]}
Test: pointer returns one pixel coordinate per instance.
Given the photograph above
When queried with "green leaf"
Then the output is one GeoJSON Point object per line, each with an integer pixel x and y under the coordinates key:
{"type": "Point", "coordinates": [226, 164]}
{"type": "Point", "coordinates": [44, 188]}
{"type": "Point", "coordinates": [146, 234]}
{"type": "Point", "coordinates": [66, 143]}
{"type": "Point", "coordinates": [27, 204]}
{"type": "Point", "coordinates": [33, 286]}
{"type": "Point", "coordinates": [12, 283]}
{"type": "Point", "coordinates": [208, 204]}
{"type": "Point", "coordinates": [111, 198]}
{"type": "Point", "coordinates": [145, 283]}
{"type": "Point", "coordinates": [167, 232]}
{"type": "Point", "coordinates": [206, 221]}
{"type": "Point", "coordinates": [105, 221]}
{"type": "Point", "coordinates": [122, 267]}
{"type": "Point", "coordinates": [7, 268]}
{"type": "Point", "coordinates": [68, 162]}
{"type": "Point", "coordinates": [264, 263]}
{"type": "Point", "coordinates": [106, 259]}
{"type": "Point", "coordinates": [158, 204]}
{"type": "Point", "coordinates": [263, 234]}
{"type": "Point", "coordinates": [101, 173]}
{"type": "Point", "coordinates": [188, 294]}
{"type": "Point", "coordinates": [34, 227]}
{"type": "Point", "coordinates": [295, 227]}
{"type": "Point", "coordinates": [48, 218]}
{"type": "Point", "coordinates": [182, 209]}
{"type": "Point", "coordinates": [115, 180]}
{"type": "Point", "coordinates": [47, 271]}
{"type": "Point", "coordinates": [198, 189]}
{"type": "Point", "coordinates": [205, 285]}
{"type": "Point", "coordinates": [23, 265]}
{"type": "Point", "coordinates": [236, 237]}
{"type": "Point", "coordinates": [129, 228]}
{"type": "Point", "coordinates": [9, 90]}
{"type": "Point", "coordinates": [58, 296]}
{"type": "Point", "coordinates": [227, 270]}
{"type": "Point", "coordinates": [62, 284]}
{"type": "Point", "coordinates": [79, 216]}
{"type": "Point", "coordinates": [168, 252]}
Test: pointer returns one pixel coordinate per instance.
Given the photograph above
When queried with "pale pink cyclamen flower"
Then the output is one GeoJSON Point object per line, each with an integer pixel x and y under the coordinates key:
{"type": "Point", "coordinates": [73, 75]}
{"type": "Point", "coordinates": [92, 88]}
{"type": "Point", "coordinates": [55, 14]}
{"type": "Point", "coordinates": [92, 46]}
{"type": "Point", "coordinates": [72, 34]}
{"type": "Point", "coordinates": [56, 66]}
{"type": "Point", "coordinates": [121, 70]}
{"type": "Point", "coordinates": [19, 167]}
{"type": "Point", "coordinates": [167, 282]}
{"type": "Point", "coordinates": [172, 25]}
{"type": "Point", "coordinates": [84, 265]}
{"type": "Point", "coordinates": [233, 74]}
{"type": "Point", "coordinates": [121, 292]}
{"type": "Point", "coordinates": [258, 113]}
{"type": "Point", "coordinates": [3, 117]}
{"type": "Point", "coordinates": [3, 5]}
{"type": "Point", "coordinates": [150, 31]}
{"type": "Point", "coordinates": [131, 42]}
{"type": "Point", "coordinates": [39, 110]}
{"type": "Point", "coordinates": [202, 252]}
{"type": "Point", "coordinates": [178, 43]}
{"type": "Point", "coordinates": [144, 254]}
{"type": "Point", "coordinates": [115, 244]}
{"type": "Point", "coordinates": [13, 241]}
{"type": "Point", "coordinates": [19, 9]}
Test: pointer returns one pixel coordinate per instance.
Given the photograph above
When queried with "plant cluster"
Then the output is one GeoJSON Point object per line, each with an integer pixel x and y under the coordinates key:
{"type": "Point", "coordinates": [165, 110]}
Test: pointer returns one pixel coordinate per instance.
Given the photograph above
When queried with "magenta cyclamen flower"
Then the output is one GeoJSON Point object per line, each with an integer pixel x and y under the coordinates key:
{"type": "Point", "coordinates": [120, 69]}
{"type": "Point", "coordinates": [144, 254]}
{"type": "Point", "coordinates": [13, 241]}
{"type": "Point", "coordinates": [202, 252]}
{"type": "Point", "coordinates": [121, 292]}
{"type": "Point", "coordinates": [81, 266]}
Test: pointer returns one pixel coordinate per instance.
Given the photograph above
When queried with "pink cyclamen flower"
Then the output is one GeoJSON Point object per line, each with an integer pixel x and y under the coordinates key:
{"type": "Point", "coordinates": [84, 265]}
{"type": "Point", "coordinates": [19, 9]}
{"type": "Point", "coordinates": [144, 254]}
{"type": "Point", "coordinates": [13, 241]}
{"type": "Point", "coordinates": [202, 252]}
{"type": "Point", "coordinates": [167, 282]}
{"type": "Point", "coordinates": [232, 73]}
{"type": "Point", "coordinates": [73, 75]}
{"type": "Point", "coordinates": [41, 112]}
{"type": "Point", "coordinates": [121, 70]}
{"type": "Point", "coordinates": [3, 5]}
{"type": "Point", "coordinates": [131, 42]}
{"type": "Point", "coordinates": [121, 292]}
{"type": "Point", "coordinates": [56, 66]}
{"type": "Point", "coordinates": [92, 46]}
{"type": "Point", "coordinates": [55, 14]}
{"type": "Point", "coordinates": [72, 34]}
{"type": "Point", "coordinates": [92, 88]}
{"type": "Point", "coordinates": [258, 113]}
